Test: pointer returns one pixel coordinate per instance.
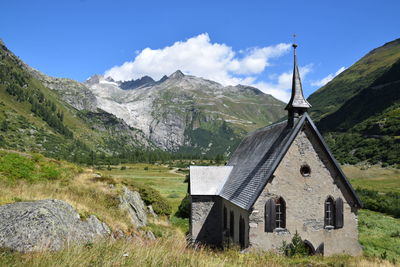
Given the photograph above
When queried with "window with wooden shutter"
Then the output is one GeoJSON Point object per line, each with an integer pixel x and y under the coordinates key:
{"type": "Point", "coordinates": [339, 213]}
{"type": "Point", "coordinates": [269, 215]}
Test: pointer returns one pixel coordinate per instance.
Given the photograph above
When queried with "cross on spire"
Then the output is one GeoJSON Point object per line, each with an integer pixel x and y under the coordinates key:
{"type": "Point", "coordinates": [297, 104]}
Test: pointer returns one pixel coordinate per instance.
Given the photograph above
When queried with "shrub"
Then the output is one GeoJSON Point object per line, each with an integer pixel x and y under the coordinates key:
{"type": "Point", "coordinates": [15, 166]}
{"type": "Point", "coordinates": [49, 173]}
{"type": "Point", "coordinates": [187, 178]}
{"type": "Point", "coordinates": [184, 208]}
{"type": "Point", "coordinates": [295, 248]}
{"type": "Point", "coordinates": [388, 203]}
{"type": "Point", "coordinates": [162, 207]}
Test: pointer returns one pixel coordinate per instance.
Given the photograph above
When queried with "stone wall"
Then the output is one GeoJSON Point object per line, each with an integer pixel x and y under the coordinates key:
{"type": "Point", "coordinates": [305, 198]}
{"type": "Point", "coordinates": [238, 213]}
{"type": "Point", "coordinates": [205, 220]}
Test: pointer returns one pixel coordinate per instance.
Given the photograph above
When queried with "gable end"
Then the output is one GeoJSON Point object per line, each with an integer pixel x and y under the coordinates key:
{"type": "Point", "coordinates": [306, 119]}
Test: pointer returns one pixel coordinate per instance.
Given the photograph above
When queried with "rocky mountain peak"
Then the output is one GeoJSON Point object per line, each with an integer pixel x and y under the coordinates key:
{"type": "Point", "coordinates": [133, 84]}
{"type": "Point", "coordinates": [94, 79]}
{"type": "Point", "coordinates": [109, 79]}
{"type": "Point", "coordinates": [164, 78]}
{"type": "Point", "coordinates": [173, 111]}
{"type": "Point", "coordinates": [176, 75]}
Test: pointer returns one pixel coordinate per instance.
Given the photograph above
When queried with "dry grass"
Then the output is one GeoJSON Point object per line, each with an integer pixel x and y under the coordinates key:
{"type": "Point", "coordinates": [91, 195]}
{"type": "Point", "coordinates": [82, 192]}
{"type": "Point", "coordinates": [169, 252]}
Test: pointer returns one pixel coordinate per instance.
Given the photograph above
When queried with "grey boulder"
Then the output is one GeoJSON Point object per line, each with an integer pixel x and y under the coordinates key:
{"type": "Point", "coordinates": [132, 202]}
{"type": "Point", "coordinates": [46, 225]}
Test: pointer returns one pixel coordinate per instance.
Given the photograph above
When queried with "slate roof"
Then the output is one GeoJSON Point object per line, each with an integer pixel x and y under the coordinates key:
{"type": "Point", "coordinates": [257, 157]}
{"type": "Point", "coordinates": [254, 162]}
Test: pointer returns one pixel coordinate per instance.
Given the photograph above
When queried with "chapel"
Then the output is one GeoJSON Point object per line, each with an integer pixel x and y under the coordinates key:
{"type": "Point", "coordinates": [281, 179]}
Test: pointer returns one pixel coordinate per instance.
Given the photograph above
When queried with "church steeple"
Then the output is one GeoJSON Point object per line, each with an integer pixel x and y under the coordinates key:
{"type": "Point", "coordinates": [297, 104]}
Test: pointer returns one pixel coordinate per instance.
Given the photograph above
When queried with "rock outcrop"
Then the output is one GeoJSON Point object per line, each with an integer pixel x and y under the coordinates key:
{"type": "Point", "coordinates": [73, 92]}
{"type": "Point", "coordinates": [151, 212]}
{"type": "Point", "coordinates": [46, 225]}
{"type": "Point", "coordinates": [132, 202]}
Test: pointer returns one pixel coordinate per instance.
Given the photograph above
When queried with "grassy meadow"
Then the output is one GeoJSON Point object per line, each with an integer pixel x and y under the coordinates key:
{"type": "Point", "coordinates": [90, 194]}
{"type": "Point", "coordinates": [169, 181]}
{"type": "Point", "coordinates": [373, 177]}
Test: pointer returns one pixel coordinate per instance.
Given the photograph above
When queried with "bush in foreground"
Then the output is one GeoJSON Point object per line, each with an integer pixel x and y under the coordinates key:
{"type": "Point", "coordinates": [33, 167]}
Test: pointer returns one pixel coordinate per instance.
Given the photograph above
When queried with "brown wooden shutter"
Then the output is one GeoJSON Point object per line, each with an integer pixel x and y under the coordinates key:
{"type": "Point", "coordinates": [339, 213]}
{"type": "Point", "coordinates": [270, 215]}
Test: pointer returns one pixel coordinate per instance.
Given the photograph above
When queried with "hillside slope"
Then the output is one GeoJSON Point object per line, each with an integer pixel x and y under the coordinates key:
{"type": "Point", "coordinates": [34, 118]}
{"type": "Point", "coordinates": [353, 80]}
{"type": "Point", "coordinates": [361, 119]}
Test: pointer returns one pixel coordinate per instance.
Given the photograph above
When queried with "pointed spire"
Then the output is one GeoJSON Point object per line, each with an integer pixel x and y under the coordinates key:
{"type": "Point", "coordinates": [297, 103]}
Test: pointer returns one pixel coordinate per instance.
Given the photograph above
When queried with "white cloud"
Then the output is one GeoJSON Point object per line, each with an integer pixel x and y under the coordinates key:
{"type": "Point", "coordinates": [200, 57]}
{"type": "Point", "coordinates": [282, 86]}
{"type": "Point", "coordinates": [218, 62]}
{"type": "Point", "coordinates": [328, 78]}
{"type": "Point", "coordinates": [256, 59]}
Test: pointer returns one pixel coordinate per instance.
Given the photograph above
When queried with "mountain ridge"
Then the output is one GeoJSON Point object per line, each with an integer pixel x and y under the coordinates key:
{"type": "Point", "coordinates": [351, 81]}
{"type": "Point", "coordinates": [363, 125]}
{"type": "Point", "coordinates": [164, 110]}
{"type": "Point", "coordinates": [34, 117]}
{"type": "Point", "coordinates": [179, 113]}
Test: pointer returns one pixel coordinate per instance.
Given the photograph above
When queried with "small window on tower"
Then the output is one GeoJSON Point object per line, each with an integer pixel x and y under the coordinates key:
{"type": "Point", "coordinates": [305, 170]}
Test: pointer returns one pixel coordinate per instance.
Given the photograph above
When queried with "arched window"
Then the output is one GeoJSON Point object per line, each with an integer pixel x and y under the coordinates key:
{"type": "Point", "coordinates": [225, 218]}
{"type": "Point", "coordinates": [232, 225]}
{"type": "Point", "coordinates": [280, 211]}
{"type": "Point", "coordinates": [329, 213]}
{"type": "Point", "coordinates": [275, 214]}
{"type": "Point", "coordinates": [333, 213]}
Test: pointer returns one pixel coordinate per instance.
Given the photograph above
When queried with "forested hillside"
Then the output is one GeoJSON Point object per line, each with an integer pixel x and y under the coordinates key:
{"type": "Point", "coordinates": [359, 111]}
{"type": "Point", "coordinates": [34, 118]}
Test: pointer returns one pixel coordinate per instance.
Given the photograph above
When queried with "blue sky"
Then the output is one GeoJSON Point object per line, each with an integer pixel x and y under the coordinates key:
{"type": "Point", "coordinates": [228, 41]}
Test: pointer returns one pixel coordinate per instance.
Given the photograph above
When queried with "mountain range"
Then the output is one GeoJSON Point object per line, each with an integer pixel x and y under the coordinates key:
{"type": "Point", "coordinates": [187, 113]}
{"type": "Point", "coordinates": [179, 113]}
{"type": "Point", "coordinates": [358, 112]}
